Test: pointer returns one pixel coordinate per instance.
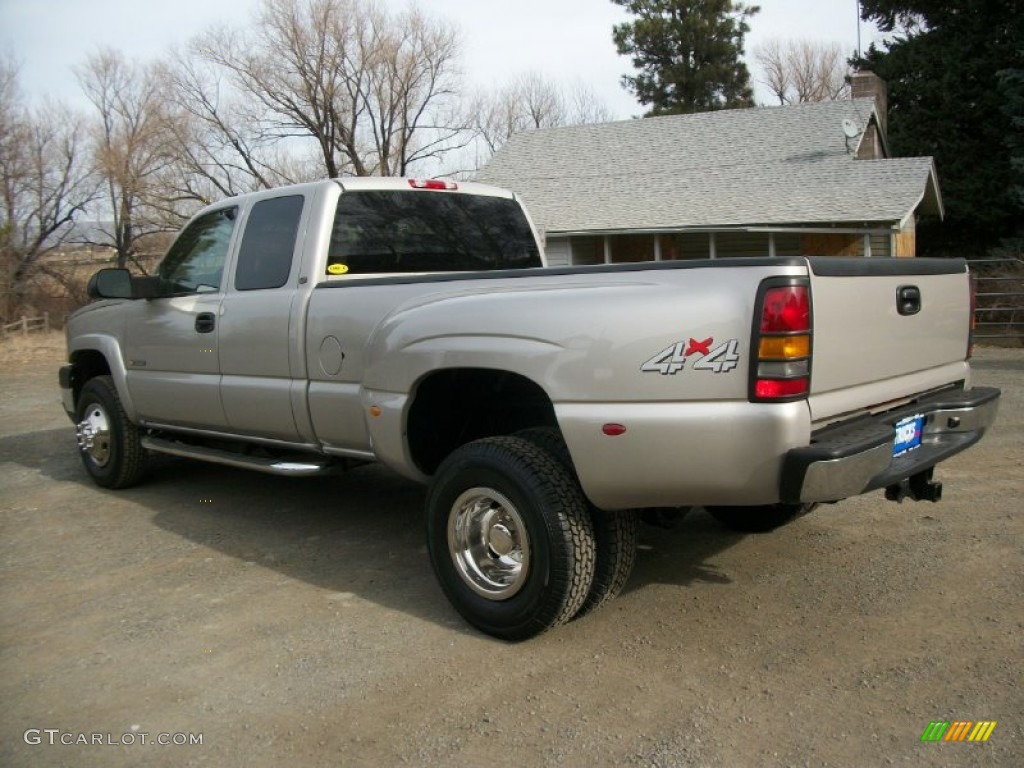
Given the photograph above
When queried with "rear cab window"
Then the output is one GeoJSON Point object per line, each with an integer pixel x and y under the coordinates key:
{"type": "Point", "coordinates": [381, 232]}
{"type": "Point", "coordinates": [266, 253]}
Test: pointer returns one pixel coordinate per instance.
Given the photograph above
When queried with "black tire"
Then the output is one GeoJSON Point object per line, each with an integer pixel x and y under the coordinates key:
{"type": "Point", "coordinates": [110, 445]}
{"type": "Point", "coordinates": [533, 510]}
{"type": "Point", "coordinates": [616, 534]}
{"type": "Point", "coordinates": [759, 519]}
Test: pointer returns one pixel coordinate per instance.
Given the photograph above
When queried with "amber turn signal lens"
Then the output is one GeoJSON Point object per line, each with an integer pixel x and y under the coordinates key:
{"type": "Point", "coordinates": [784, 347]}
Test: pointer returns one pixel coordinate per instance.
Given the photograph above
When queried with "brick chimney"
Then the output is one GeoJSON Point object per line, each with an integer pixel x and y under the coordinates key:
{"type": "Point", "coordinates": [868, 85]}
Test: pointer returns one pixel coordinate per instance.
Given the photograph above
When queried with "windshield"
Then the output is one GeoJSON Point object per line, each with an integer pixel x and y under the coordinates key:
{"type": "Point", "coordinates": [389, 231]}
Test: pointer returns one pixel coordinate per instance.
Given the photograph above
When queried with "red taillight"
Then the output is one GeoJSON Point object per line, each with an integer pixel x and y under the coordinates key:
{"type": "Point", "coordinates": [786, 309]}
{"type": "Point", "coordinates": [773, 389]}
{"type": "Point", "coordinates": [781, 347]}
{"type": "Point", "coordinates": [433, 184]}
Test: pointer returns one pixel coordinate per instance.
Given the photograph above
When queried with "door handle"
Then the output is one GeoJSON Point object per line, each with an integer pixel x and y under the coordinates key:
{"type": "Point", "coordinates": [908, 300]}
{"type": "Point", "coordinates": [205, 322]}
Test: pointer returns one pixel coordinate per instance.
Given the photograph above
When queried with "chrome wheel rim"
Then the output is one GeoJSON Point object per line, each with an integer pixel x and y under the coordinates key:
{"type": "Point", "coordinates": [93, 434]}
{"type": "Point", "coordinates": [488, 543]}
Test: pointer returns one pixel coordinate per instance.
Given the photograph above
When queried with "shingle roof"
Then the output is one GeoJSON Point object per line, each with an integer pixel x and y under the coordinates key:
{"type": "Point", "coordinates": [764, 166]}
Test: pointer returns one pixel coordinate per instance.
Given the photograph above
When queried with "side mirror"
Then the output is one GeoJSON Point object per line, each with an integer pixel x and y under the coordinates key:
{"type": "Point", "coordinates": [110, 284]}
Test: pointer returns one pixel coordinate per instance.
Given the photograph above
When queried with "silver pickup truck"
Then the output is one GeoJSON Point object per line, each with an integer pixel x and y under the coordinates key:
{"type": "Point", "coordinates": [311, 328]}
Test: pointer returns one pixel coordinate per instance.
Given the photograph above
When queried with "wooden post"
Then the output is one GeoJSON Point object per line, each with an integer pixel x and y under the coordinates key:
{"type": "Point", "coordinates": [46, 322]}
{"type": "Point", "coordinates": [24, 326]}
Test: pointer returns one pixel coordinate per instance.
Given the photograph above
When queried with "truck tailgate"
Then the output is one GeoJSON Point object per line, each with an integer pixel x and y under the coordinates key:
{"type": "Point", "coordinates": [885, 329]}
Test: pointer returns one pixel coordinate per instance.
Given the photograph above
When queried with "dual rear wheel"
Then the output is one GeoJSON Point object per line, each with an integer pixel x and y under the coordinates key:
{"type": "Point", "coordinates": [515, 544]}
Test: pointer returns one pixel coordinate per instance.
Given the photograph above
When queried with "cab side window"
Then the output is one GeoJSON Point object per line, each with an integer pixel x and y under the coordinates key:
{"type": "Point", "coordinates": [265, 256]}
{"type": "Point", "coordinates": [195, 262]}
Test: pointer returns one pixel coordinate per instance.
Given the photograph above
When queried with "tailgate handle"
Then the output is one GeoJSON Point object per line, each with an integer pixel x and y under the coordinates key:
{"type": "Point", "coordinates": [908, 300]}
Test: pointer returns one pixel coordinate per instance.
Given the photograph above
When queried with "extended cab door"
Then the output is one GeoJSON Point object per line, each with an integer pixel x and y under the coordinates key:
{"type": "Point", "coordinates": [261, 363]}
{"type": "Point", "coordinates": [171, 340]}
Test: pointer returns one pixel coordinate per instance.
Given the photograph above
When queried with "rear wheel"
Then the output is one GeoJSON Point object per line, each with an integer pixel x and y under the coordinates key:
{"type": "Point", "coordinates": [759, 519]}
{"type": "Point", "coordinates": [510, 537]}
{"type": "Point", "coordinates": [615, 533]}
{"type": "Point", "coordinates": [110, 444]}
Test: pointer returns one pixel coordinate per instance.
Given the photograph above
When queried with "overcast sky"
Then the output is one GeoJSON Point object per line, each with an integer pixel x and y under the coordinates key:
{"type": "Point", "coordinates": [565, 39]}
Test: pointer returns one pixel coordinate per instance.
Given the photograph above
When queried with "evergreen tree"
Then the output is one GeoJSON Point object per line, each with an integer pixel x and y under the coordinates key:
{"type": "Point", "coordinates": [687, 53]}
{"type": "Point", "coordinates": [954, 94]}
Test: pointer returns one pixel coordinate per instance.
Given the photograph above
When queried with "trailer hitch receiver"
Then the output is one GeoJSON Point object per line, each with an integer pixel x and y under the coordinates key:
{"type": "Point", "coordinates": [919, 487]}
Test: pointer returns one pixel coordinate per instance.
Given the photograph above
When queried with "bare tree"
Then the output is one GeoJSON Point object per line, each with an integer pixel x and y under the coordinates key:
{"type": "Point", "coordinates": [797, 71]}
{"type": "Point", "coordinates": [412, 89]}
{"type": "Point", "coordinates": [533, 101]}
{"type": "Point", "coordinates": [221, 148]}
{"type": "Point", "coordinates": [529, 101]}
{"type": "Point", "coordinates": [133, 149]}
{"type": "Point", "coordinates": [586, 107]}
{"type": "Point", "coordinates": [45, 182]}
{"type": "Point", "coordinates": [375, 92]}
{"type": "Point", "coordinates": [12, 126]}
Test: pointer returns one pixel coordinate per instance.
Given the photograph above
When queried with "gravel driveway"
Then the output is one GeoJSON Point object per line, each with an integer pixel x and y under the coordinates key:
{"type": "Point", "coordinates": [297, 622]}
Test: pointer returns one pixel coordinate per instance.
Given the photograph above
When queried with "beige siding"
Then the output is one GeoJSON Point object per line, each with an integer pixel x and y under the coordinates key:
{"type": "Point", "coordinates": [881, 245]}
{"type": "Point", "coordinates": [557, 251]}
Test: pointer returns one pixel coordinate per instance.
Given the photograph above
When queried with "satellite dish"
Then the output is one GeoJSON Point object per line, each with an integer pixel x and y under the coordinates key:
{"type": "Point", "coordinates": [850, 129]}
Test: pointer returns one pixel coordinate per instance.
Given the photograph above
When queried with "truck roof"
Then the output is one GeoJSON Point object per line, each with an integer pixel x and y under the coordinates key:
{"type": "Point", "coordinates": [353, 183]}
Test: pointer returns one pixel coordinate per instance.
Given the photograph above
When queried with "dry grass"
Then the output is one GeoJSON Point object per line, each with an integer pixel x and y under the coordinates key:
{"type": "Point", "coordinates": [35, 348]}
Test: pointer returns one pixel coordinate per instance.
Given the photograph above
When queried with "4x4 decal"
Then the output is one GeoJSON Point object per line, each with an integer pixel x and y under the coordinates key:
{"type": "Point", "coordinates": [702, 356]}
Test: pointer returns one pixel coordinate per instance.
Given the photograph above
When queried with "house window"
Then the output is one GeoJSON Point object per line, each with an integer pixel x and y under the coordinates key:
{"type": "Point", "coordinates": [685, 245]}
{"type": "Point", "coordinates": [787, 244]}
{"type": "Point", "coordinates": [587, 250]}
{"type": "Point", "coordinates": [627, 249]}
{"type": "Point", "coordinates": [739, 244]}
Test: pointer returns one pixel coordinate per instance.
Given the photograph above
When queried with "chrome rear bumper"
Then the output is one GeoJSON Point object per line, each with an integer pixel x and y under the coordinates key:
{"type": "Point", "coordinates": [855, 458]}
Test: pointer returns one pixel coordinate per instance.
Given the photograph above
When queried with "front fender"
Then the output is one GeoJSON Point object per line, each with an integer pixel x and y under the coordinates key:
{"type": "Point", "coordinates": [109, 347]}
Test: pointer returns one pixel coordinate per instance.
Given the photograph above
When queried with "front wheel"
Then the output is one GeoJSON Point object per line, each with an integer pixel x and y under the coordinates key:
{"type": "Point", "coordinates": [758, 519]}
{"type": "Point", "coordinates": [510, 537]}
{"type": "Point", "coordinates": [111, 446]}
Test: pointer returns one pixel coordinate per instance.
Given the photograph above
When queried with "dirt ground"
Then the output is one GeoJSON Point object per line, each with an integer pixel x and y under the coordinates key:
{"type": "Point", "coordinates": [297, 622]}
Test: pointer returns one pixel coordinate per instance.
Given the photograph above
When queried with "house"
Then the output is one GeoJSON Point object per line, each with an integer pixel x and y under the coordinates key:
{"type": "Point", "coordinates": [805, 179]}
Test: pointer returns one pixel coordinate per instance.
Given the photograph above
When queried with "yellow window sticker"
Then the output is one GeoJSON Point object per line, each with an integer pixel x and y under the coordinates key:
{"type": "Point", "coordinates": [337, 269]}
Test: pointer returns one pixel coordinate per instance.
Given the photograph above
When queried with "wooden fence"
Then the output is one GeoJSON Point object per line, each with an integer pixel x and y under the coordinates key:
{"type": "Point", "coordinates": [26, 324]}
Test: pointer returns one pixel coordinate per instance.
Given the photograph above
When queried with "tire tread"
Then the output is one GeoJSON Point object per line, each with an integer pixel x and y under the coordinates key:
{"type": "Point", "coordinates": [615, 533]}
{"type": "Point", "coordinates": [130, 457]}
{"type": "Point", "coordinates": [568, 524]}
